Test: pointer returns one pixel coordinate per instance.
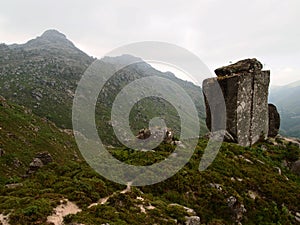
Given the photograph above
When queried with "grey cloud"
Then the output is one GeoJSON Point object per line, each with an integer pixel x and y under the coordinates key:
{"type": "Point", "coordinates": [217, 31]}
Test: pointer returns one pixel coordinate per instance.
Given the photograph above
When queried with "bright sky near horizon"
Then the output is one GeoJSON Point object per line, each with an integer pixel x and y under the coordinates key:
{"type": "Point", "coordinates": [217, 31]}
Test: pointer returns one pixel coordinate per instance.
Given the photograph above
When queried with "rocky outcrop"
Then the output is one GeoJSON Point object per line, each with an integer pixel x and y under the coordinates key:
{"type": "Point", "coordinates": [193, 220]}
{"type": "Point", "coordinates": [274, 121]}
{"type": "Point", "coordinates": [45, 157]}
{"type": "Point", "coordinates": [155, 133]}
{"type": "Point", "coordinates": [41, 159]}
{"type": "Point", "coordinates": [245, 89]}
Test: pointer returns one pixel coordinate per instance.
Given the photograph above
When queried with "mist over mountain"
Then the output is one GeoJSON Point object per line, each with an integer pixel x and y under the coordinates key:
{"type": "Point", "coordinates": [287, 100]}
{"type": "Point", "coordinates": [43, 73]}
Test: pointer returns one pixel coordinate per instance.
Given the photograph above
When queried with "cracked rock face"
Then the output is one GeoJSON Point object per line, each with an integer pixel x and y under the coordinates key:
{"type": "Point", "coordinates": [245, 89]}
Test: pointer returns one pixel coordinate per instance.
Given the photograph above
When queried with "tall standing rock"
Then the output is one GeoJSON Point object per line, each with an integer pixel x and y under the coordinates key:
{"type": "Point", "coordinates": [245, 89]}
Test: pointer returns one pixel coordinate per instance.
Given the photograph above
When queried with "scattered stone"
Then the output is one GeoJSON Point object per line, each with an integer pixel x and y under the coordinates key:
{"type": "Point", "coordinates": [142, 208]}
{"type": "Point", "coordinates": [45, 157]}
{"type": "Point", "coordinates": [35, 165]}
{"type": "Point", "coordinates": [261, 162]}
{"type": "Point", "coordinates": [237, 208]}
{"type": "Point", "coordinates": [231, 201]}
{"type": "Point", "coordinates": [17, 163]}
{"type": "Point", "coordinates": [252, 194]}
{"type": "Point", "coordinates": [37, 95]}
{"type": "Point", "coordinates": [274, 121]}
{"type": "Point", "coordinates": [245, 159]}
{"type": "Point", "coordinates": [279, 170]}
{"type": "Point", "coordinates": [155, 133]}
{"type": "Point", "coordinates": [179, 144]}
{"type": "Point", "coordinates": [41, 159]}
{"type": "Point", "coordinates": [192, 220]}
{"type": "Point", "coordinates": [217, 186]}
{"type": "Point", "coordinates": [150, 207]}
{"type": "Point", "coordinates": [190, 211]}
{"type": "Point", "coordinates": [264, 148]}
{"type": "Point", "coordinates": [297, 217]}
{"type": "Point", "coordinates": [140, 198]}
{"type": "Point", "coordinates": [12, 186]}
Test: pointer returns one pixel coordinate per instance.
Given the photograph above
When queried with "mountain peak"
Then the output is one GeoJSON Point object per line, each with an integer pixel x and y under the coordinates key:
{"type": "Point", "coordinates": [50, 34]}
{"type": "Point", "coordinates": [50, 39]}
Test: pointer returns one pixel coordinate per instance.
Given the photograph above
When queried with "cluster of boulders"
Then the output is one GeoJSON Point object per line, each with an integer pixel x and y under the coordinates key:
{"type": "Point", "coordinates": [41, 159]}
{"type": "Point", "coordinates": [244, 86]}
{"type": "Point", "coordinates": [155, 133]}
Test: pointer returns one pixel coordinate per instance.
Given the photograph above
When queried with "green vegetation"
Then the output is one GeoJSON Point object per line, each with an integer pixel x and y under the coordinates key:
{"type": "Point", "coordinates": [249, 185]}
{"type": "Point", "coordinates": [276, 195]}
{"type": "Point", "coordinates": [22, 135]}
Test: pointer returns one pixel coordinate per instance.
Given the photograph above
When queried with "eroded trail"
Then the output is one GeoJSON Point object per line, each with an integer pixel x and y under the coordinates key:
{"type": "Point", "coordinates": [102, 201]}
{"type": "Point", "coordinates": [65, 208]}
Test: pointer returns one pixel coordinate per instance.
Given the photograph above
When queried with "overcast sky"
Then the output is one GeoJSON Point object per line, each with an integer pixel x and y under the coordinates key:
{"type": "Point", "coordinates": [218, 31]}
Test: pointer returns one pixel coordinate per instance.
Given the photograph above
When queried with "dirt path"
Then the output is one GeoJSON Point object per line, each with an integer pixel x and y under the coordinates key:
{"type": "Point", "coordinates": [65, 208]}
{"type": "Point", "coordinates": [104, 200]}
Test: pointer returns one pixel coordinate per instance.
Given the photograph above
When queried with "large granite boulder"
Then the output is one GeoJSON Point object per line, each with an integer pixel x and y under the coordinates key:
{"type": "Point", "coordinates": [274, 121]}
{"type": "Point", "coordinates": [245, 89]}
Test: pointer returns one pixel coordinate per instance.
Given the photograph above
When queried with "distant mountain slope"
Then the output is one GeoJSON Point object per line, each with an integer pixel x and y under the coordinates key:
{"type": "Point", "coordinates": [287, 100]}
{"type": "Point", "coordinates": [43, 73]}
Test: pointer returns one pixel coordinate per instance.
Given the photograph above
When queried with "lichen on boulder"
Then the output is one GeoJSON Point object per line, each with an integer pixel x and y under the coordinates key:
{"type": "Point", "coordinates": [245, 89]}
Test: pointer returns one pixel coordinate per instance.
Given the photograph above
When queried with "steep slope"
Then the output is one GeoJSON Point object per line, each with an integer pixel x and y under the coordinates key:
{"type": "Point", "coordinates": [147, 108]}
{"type": "Point", "coordinates": [22, 135]}
{"type": "Point", "coordinates": [247, 185]}
{"type": "Point", "coordinates": [286, 98]}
